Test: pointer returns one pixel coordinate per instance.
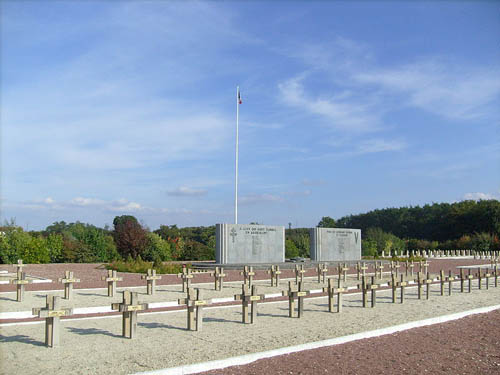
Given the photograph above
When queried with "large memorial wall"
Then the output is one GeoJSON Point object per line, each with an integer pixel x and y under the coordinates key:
{"type": "Point", "coordinates": [248, 243]}
{"type": "Point", "coordinates": [335, 244]}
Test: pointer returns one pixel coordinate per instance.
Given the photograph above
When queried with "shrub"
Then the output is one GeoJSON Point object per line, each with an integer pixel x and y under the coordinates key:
{"type": "Point", "coordinates": [140, 266]}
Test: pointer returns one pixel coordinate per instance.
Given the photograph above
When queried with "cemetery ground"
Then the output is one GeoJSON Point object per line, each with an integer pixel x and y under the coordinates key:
{"type": "Point", "coordinates": [94, 345]}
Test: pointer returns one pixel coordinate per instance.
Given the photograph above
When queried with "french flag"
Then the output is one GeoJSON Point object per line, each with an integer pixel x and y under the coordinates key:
{"type": "Point", "coordinates": [239, 97]}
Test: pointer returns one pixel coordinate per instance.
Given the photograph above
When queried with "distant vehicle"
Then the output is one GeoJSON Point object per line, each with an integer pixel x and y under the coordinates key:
{"type": "Point", "coordinates": [297, 259]}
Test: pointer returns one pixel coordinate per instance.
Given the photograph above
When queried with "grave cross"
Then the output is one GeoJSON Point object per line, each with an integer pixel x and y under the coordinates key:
{"type": "Point", "coordinates": [420, 284]}
{"type": "Point", "coordinates": [322, 271]}
{"type": "Point", "coordinates": [299, 273]}
{"type": "Point", "coordinates": [249, 300]}
{"type": "Point", "coordinates": [361, 269]}
{"type": "Point", "coordinates": [462, 279]}
{"type": "Point", "coordinates": [409, 265]}
{"type": "Point", "coordinates": [442, 280]}
{"type": "Point", "coordinates": [129, 308]}
{"type": "Point", "coordinates": [342, 268]}
{"type": "Point", "coordinates": [20, 282]}
{"type": "Point", "coordinates": [111, 279]}
{"type": "Point", "coordinates": [219, 278]}
{"type": "Point", "coordinates": [379, 267]}
{"type": "Point", "coordinates": [479, 276]}
{"type": "Point", "coordinates": [495, 274]}
{"type": "Point", "coordinates": [151, 278]}
{"type": "Point", "coordinates": [248, 275]}
{"type": "Point", "coordinates": [275, 275]}
{"type": "Point", "coordinates": [52, 313]}
{"type": "Point", "coordinates": [398, 284]}
{"type": "Point", "coordinates": [331, 294]}
{"type": "Point", "coordinates": [365, 287]}
{"type": "Point", "coordinates": [195, 305]}
{"type": "Point", "coordinates": [450, 280]}
{"type": "Point", "coordinates": [295, 292]}
{"type": "Point", "coordinates": [186, 277]}
{"type": "Point", "coordinates": [19, 266]}
{"type": "Point", "coordinates": [428, 282]}
{"type": "Point", "coordinates": [424, 266]}
{"type": "Point", "coordinates": [68, 281]}
{"type": "Point", "coordinates": [394, 268]}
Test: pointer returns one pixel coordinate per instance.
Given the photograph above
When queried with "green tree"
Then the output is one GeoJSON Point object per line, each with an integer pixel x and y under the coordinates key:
{"type": "Point", "coordinates": [130, 236]}
{"type": "Point", "coordinates": [55, 246]}
{"type": "Point", "coordinates": [369, 248]}
{"type": "Point", "coordinates": [157, 249]}
{"type": "Point", "coordinates": [291, 250]}
{"type": "Point", "coordinates": [327, 222]}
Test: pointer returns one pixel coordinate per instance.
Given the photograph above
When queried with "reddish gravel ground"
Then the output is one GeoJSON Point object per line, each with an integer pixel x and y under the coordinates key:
{"type": "Point", "coordinates": [90, 274]}
{"type": "Point", "coordinates": [466, 346]}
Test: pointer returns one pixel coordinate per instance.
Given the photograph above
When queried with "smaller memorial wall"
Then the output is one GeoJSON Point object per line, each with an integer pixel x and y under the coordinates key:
{"type": "Point", "coordinates": [248, 243]}
{"type": "Point", "coordinates": [335, 244]}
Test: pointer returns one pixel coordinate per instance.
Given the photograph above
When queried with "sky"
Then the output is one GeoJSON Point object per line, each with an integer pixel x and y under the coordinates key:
{"type": "Point", "coordinates": [115, 108]}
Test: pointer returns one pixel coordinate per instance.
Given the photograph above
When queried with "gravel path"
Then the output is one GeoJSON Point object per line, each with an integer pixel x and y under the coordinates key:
{"type": "Point", "coordinates": [95, 346]}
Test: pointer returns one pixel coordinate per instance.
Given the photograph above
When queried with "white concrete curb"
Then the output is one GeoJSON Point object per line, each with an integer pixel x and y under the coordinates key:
{"type": "Point", "coordinates": [248, 358]}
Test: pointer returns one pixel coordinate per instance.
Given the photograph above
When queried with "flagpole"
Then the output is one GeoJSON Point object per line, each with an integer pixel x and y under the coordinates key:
{"type": "Point", "coordinates": [236, 167]}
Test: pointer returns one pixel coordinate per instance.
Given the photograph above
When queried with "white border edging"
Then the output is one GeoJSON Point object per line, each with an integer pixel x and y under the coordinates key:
{"type": "Point", "coordinates": [249, 358]}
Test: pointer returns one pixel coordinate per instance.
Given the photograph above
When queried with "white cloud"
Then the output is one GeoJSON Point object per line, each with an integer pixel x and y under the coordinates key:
{"type": "Point", "coordinates": [440, 87]}
{"type": "Point", "coordinates": [480, 196]}
{"type": "Point", "coordinates": [380, 145]}
{"type": "Point", "coordinates": [342, 111]}
{"type": "Point", "coordinates": [186, 191]}
{"type": "Point", "coordinates": [259, 198]}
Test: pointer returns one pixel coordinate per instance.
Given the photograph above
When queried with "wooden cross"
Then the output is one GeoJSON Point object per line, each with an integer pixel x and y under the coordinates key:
{"type": "Point", "coordinates": [249, 300]}
{"type": "Point", "coordinates": [424, 266]}
{"type": "Point", "coordinates": [68, 281]}
{"type": "Point", "coordinates": [248, 275]}
{"type": "Point", "coordinates": [398, 284]}
{"type": "Point", "coordinates": [112, 278]}
{"type": "Point", "coordinates": [151, 278]}
{"type": "Point", "coordinates": [365, 287]}
{"type": "Point", "coordinates": [342, 268]}
{"type": "Point", "coordinates": [428, 282]}
{"type": "Point", "coordinates": [450, 280]}
{"type": "Point", "coordinates": [20, 282]}
{"type": "Point", "coordinates": [322, 271]}
{"type": "Point", "coordinates": [411, 266]}
{"type": "Point", "coordinates": [299, 273]}
{"type": "Point", "coordinates": [332, 290]}
{"type": "Point", "coordinates": [379, 267]}
{"type": "Point", "coordinates": [361, 269]}
{"type": "Point", "coordinates": [129, 308]}
{"type": "Point", "coordinates": [219, 278]}
{"type": "Point", "coordinates": [186, 277]}
{"type": "Point", "coordinates": [195, 305]}
{"type": "Point", "coordinates": [275, 275]}
{"type": "Point", "coordinates": [52, 313]}
{"type": "Point", "coordinates": [479, 276]}
{"type": "Point", "coordinates": [19, 265]}
{"type": "Point", "coordinates": [469, 277]}
{"type": "Point", "coordinates": [295, 292]}
{"type": "Point", "coordinates": [495, 274]}
{"type": "Point", "coordinates": [394, 268]}
{"type": "Point", "coordinates": [442, 280]}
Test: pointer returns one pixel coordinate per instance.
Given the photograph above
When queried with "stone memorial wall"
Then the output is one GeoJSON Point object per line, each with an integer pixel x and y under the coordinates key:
{"type": "Point", "coordinates": [335, 244]}
{"type": "Point", "coordinates": [248, 243]}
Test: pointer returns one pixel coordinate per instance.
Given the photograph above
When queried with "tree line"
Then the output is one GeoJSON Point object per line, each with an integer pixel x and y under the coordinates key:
{"type": "Point", "coordinates": [461, 225]}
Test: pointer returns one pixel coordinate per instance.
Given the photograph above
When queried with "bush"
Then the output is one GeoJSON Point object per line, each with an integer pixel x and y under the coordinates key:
{"type": "Point", "coordinates": [140, 266]}
{"type": "Point", "coordinates": [157, 249]}
{"type": "Point", "coordinates": [291, 251]}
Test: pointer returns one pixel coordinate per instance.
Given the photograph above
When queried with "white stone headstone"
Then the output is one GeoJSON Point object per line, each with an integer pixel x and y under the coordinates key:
{"type": "Point", "coordinates": [335, 244]}
{"type": "Point", "coordinates": [249, 243]}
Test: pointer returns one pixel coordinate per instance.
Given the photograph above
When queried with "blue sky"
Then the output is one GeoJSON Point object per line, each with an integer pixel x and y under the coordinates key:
{"type": "Point", "coordinates": [113, 108]}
